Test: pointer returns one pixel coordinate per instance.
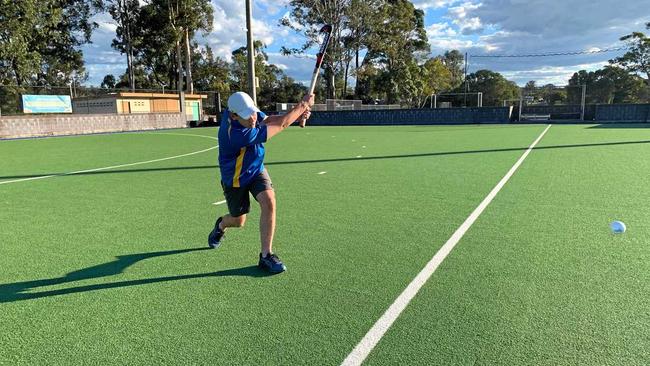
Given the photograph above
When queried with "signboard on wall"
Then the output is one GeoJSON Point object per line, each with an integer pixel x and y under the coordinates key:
{"type": "Point", "coordinates": [47, 104]}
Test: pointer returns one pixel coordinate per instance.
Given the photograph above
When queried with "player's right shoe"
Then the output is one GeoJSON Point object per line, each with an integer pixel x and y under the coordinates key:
{"type": "Point", "coordinates": [271, 263]}
{"type": "Point", "coordinates": [214, 239]}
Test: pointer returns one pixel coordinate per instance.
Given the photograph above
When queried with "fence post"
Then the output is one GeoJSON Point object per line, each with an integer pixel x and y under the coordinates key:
{"type": "Point", "coordinates": [521, 102]}
{"type": "Point", "coordinates": [582, 102]}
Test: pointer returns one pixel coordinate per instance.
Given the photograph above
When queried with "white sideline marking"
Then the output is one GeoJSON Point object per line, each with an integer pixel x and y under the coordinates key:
{"type": "Point", "coordinates": [374, 335]}
{"type": "Point", "coordinates": [321, 173]}
{"type": "Point", "coordinates": [358, 156]}
{"type": "Point", "coordinates": [121, 165]}
{"type": "Point", "coordinates": [218, 203]}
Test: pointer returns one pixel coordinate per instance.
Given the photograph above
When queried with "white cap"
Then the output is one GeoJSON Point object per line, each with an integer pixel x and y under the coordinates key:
{"type": "Point", "coordinates": [242, 104]}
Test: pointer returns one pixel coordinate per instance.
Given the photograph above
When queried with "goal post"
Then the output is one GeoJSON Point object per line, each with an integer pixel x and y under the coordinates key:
{"type": "Point", "coordinates": [457, 100]}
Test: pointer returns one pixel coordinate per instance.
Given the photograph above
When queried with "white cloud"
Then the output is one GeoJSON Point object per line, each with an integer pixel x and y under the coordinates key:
{"type": "Point", "coordinates": [229, 28]}
{"type": "Point", "coordinates": [466, 24]}
{"type": "Point", "coordinates": [433, 4]}
{"type": "Point", "coordinates": [475, 26]}
{"type": "Point", "coordinates": [538, 27]}
{"type": "Point", "coordinates": [292, 22]}
{"type": "Point", "coordinates": [557, 75]}
{"type": "Point", "coordinates": [298, 67]}
{"type": "Point", "coordinates": [272, 7]}
{"type": "Point", "coordinates": [107, 27]}
{"type": "Point", "coordinates": [440, 30]}
{"type": "Point", "coordinates": [441, 45]}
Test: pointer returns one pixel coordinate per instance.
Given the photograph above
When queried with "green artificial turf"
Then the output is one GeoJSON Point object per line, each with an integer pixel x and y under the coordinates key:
{"type": "Point", "coordinates": [110, 266]}
{"type": "Point", "coordinates": [539, 279]}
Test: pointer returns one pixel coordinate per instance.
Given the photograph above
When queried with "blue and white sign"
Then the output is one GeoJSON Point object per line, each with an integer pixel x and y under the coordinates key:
{"type": "Point", "coordinates": [47, 104]}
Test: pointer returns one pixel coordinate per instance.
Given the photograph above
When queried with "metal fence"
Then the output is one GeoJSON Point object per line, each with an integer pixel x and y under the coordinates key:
{"type": "Point", "coordinates": [338, 105]}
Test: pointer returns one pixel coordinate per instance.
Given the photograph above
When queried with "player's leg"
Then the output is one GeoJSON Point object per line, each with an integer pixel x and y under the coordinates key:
{"type": "Point", "coordinates": [238, 205]}
{"type": "Point", "coordinates": [263, 192]}
{"type": "Point", "coordinates": [266, 200]}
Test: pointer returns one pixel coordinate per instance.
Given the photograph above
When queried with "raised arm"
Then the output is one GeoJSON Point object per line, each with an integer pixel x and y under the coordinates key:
{"type": "Point", "coordinates": [275, 124]}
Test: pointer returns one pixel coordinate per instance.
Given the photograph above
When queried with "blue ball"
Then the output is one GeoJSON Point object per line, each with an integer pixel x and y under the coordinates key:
{"type": "Point", "coordinates": [618, 227]}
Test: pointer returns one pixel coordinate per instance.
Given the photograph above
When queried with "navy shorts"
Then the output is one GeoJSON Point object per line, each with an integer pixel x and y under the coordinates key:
{"type": "Point", "coordinates": [238, 198]}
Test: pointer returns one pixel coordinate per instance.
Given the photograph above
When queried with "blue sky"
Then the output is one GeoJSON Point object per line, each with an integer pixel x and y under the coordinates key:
{"type": "Point", "coordinates": [478, 27]}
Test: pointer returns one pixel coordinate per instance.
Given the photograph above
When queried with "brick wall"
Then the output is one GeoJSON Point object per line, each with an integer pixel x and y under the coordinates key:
{"type": "Point", "coordinates": [69, 124]}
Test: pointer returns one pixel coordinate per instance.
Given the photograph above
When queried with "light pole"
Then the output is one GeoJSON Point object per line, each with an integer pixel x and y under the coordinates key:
{"type": "Point", "coordinates": [163, 86]}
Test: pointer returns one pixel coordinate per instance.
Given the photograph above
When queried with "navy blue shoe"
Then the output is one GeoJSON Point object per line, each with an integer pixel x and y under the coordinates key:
{"type": "Point", "coordinates": [271, 263]}
{"type": "Point", "coordinates": [214, 239]}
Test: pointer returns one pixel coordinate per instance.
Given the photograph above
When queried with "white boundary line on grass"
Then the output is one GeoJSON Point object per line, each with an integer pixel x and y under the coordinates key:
{"type": "Point", "coordinates": [121, 165]}
{"type": "Point", "coordinates": [374, 335]}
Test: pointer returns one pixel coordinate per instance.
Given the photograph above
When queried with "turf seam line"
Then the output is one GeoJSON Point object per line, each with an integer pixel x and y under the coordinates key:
{"type": "Point", "coordinates": [119, 166]}
{"type": "Point", "coordinates": [374, 335]}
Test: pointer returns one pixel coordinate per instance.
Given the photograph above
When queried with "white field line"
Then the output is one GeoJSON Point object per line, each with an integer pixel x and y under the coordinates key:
{"type": "Point", "coordinates": [374, 335]}
{"type": "Point", "coordinates": [219, 203]}
{"type": "Point", "coordinates": [121, 165]}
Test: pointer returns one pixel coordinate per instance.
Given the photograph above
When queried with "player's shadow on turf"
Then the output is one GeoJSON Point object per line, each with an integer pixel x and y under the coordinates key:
{"type": "Point", "coordinates": [332, 160]}
{"type": "Point", "coordinates": [20, 290]}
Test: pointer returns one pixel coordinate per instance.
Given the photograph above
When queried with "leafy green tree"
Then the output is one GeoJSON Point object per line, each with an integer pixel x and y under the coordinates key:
{"type": "Point", "coordinates": [436, 78]}
{"type": "Point", "coordinates": [195, 15]}
{"type": "Point", "coordinates": [125, 13]}
{"type": "Point", "coordinates": [609, 85]}
{"type": "Point", "coordinates": [143, 79]}
{"type": "Point", "coordinates": [19, 60]}
{"type": "Point", "coordinates": [108, 82]}
{"type": "Point", "coordinates": [637, 58]}
{"type": "Point", "coordinates": [273, 83]}
{"type": "Point", "coordinates": [156, 52]}
{"type": "Point", "coordinates": [309, 16]}
{"type": "Point", "coordinates": [454, 61]}
{"type": "Point", "coordinates": [211, 72]}
{"type": "Point", "coordinates": [552, 95]}
{"type": "Point", "coordinates": [494, 86]}
{"type": "Point", "coordinates": [360, 22]}
{"type": "Point", "coordinates": [395, 47]}
{"type": "Point", "coordinates": [40, 40]}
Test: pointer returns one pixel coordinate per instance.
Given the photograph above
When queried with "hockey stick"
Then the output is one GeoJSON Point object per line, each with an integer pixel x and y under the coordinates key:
{"type": "Point", "coordinates": [327, 32]}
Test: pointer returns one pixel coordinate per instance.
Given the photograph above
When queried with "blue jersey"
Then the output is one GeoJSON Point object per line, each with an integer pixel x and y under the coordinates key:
{"type": "Point", "coordinates": [241, 150]}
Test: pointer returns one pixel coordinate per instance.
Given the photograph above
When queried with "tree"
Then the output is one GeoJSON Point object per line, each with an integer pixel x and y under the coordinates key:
{"type": "Point", "coordinates": [637, 58]}
{"type": "Point", "coordinates": [360, 23]}
{"type": "Point", "coordinates": [395, 47]}
{"type": "Point", "coordinates": [552, 95]}
{"type": "Point", "coordinates": [18, 59]}
{"type": "Point", "coordinates": [194, 15]}
{"type": "Point", "coordinates": [156, 53]}
{"type": "Point", "coordinates": [608, 85]}
{"type": "Point", "coordinates": [125, 13]}
{"type": "Point", "coordinates": [309, 16]}
{"type": "Point", "coordinates": [40, 40]}
{"type": "Point", "coordinates": [494, 86]}
{"type": "Point", "coordinates": [143, 79]}
{"type": "Point", "coordinates": [108, 82]}
{"type": "Point", "coordinates": [530, 87]}
{"type": "Point", "coordinates": [269, 76]}
{"type": "Point", "coordinates": [454, 61]}
{"type": "Point", "coordinates": [436, 78]}
{"type": "Point", "coordinates": [212, 72]}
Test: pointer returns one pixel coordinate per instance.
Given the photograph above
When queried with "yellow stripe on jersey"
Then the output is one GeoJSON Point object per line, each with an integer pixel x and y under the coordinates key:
{"type": "Point", "coordinates": [238, 165]}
